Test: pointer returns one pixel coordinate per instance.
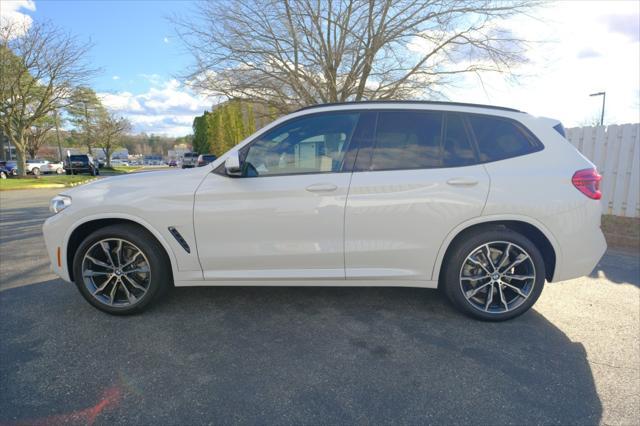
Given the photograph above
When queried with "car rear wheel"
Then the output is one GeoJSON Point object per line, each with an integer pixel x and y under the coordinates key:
{"type": "Point", "coordinates": [35, 171]}
{"type": "Point", "coordinates": [494, 274]}
{"type": "Point", "coordinates": [3, 175]}
{"type": "Point", "coordinates": [121, 269]}
{"type": "Point", "coordinates": [59, 170]}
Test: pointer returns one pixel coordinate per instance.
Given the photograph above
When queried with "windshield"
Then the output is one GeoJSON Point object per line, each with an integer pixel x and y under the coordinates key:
{"type": "Point", "coordinates": [78, 158]}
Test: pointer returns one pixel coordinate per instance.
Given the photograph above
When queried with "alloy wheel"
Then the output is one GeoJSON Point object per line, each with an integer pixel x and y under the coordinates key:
{"type": "Point", "coordinates": [116, 272]}
{"type": "Point", "coordinates": [497, 277]}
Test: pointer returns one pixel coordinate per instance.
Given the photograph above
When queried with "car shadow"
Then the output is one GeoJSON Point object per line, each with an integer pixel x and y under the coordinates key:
{"type": "Point", "coordinates": [285, 356]}
{"type": "Point", "coordinates": [620, 267]}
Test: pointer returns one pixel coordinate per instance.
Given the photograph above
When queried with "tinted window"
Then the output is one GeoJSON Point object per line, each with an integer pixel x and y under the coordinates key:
{"type": "Point", "coordinates": [500, 138]}
{"type": "Point", "coordinates": [313, 144]}
{"type": "Point", "coordinates": [457, 148]}
{"type": "Point", "coordinates": [407, 140]}
{"type": "Point", "coordinates": [79, 158]}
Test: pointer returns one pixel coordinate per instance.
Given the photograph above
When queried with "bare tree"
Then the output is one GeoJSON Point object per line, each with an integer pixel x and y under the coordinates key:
{"type": "Point", "coordinates": [36, 135]}
{"type": "Point", "coordinates": [289, 53]}
{"type": "Point", "coordinates": [39, 67]}
{"type": "Point", "coordinates": [110, 131]}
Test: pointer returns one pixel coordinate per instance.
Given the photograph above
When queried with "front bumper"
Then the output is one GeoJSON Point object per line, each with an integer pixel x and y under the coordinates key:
{"type": "Point", "coordinates": [56, 244]}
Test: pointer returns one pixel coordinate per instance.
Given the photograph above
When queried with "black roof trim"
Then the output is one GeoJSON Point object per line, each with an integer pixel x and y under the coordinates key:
{"type": "Point", "coordinates": [409, 102]}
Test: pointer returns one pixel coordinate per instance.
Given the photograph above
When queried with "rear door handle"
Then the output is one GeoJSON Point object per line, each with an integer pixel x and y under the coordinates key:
{"type": "Point", "coordinates": [321, 187]}
{"type": "Point", "coordinates": [462, 181]}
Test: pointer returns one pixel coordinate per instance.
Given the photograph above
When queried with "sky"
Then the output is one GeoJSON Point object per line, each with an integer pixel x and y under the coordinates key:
{"type": "Point", "coordinates": [580, 47]}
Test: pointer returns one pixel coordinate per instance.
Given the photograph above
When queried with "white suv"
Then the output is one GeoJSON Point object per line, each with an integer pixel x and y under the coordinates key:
{"type": "Point", "coordinates": [482, 202]}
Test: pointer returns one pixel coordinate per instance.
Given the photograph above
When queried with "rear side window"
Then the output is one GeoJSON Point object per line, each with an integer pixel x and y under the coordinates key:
{"type": "Point", "coordinates": [500, 138]}
{"type": "Point", "coordinates": [407, 140]}
{"type": "Point", "coordinates": [457, 148]}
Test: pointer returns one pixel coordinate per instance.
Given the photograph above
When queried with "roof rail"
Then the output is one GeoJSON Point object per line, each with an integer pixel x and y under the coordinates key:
{"type": "Point", "coordinates": [409, 102]}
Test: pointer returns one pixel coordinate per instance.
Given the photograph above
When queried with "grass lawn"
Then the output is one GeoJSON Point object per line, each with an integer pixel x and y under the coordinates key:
{"type": "Point", "coordinates": [119, 170]}
{"type": "Point", "coordinates": [54, 181]}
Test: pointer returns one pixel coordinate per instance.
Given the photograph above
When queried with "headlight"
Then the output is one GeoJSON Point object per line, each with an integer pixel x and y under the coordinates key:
{"type": "Point", "coordinates": [59, 203]}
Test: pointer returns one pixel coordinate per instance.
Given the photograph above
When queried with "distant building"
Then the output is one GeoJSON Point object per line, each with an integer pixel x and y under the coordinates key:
{"type": "Point", "coordinates": [153, 160]}
{"type": "Point", "coordinates": [119, 154]}
{"type": "Point", "coordinates": [177, 152]}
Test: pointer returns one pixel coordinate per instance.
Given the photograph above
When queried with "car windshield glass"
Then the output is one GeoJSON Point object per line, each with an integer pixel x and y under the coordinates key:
{"type": "Point", "coordinates": [78, 157]}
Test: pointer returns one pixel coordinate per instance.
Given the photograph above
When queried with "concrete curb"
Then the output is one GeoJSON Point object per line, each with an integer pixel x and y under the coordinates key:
{"type": "Point", "coordinates": [50, 185]}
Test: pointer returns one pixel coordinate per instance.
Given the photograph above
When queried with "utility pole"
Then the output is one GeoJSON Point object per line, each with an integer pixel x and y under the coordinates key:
{"type": "Point", "coordinates": [55, 116]}
{"type": "Point", "coordinates": [604, 96]}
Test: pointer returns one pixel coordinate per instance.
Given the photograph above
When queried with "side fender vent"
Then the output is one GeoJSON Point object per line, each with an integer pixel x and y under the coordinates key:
{"type": "Point", "coordinates": [179, 239]}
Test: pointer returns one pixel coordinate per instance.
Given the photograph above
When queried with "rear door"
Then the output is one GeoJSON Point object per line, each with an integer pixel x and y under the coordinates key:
{"type": "Point", "coordinates": [411, 186]}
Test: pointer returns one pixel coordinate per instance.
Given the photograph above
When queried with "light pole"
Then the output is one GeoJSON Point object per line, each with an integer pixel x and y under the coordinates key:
{"type": "Point", "coordinates": [604, 96]}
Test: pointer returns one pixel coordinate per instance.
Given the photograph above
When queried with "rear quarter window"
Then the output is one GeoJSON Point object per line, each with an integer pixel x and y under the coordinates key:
{"type": "Point", "coordinates": [499, 138]}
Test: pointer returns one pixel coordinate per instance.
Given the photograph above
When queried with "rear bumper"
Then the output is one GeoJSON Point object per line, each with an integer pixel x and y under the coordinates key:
{"type": "Point", "coordinates": [582, 242]}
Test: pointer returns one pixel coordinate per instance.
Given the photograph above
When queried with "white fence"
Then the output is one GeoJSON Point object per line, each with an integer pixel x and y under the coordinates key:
{"type": "Point", "coordinates": [615, 150]}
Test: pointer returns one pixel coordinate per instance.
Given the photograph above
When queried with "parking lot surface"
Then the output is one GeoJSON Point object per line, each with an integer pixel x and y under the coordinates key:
{"type": "Point", "coordinates": [309, 355]}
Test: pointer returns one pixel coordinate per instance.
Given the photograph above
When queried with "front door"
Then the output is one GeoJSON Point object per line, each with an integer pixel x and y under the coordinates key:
{"type": "Point", "coordinates": [283, 219]}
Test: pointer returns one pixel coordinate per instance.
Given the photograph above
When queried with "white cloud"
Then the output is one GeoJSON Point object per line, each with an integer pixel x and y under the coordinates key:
{"type": "Point", "coordinates": [12, 12]}
{"type": "Point", "coordinates": [115, 77]}
{"type": "Point", "coordinates": [589, 47]}
{"type": "Point", "coordinates": [166, 108]}
{"type": "Point", "coordinates": [166, 39]}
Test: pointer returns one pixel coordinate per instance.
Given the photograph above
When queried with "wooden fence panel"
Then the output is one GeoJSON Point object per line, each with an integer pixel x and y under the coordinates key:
{"type": "Point", "coordinates": [615, 150]}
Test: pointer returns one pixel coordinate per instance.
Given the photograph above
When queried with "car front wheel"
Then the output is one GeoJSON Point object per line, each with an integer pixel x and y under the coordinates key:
{"type": "Point", "coordinates": [494, 274]}
{"type": "Point", "coordinates": [121, 269]}
{"type": "Point", "coordinates": [35, 171]}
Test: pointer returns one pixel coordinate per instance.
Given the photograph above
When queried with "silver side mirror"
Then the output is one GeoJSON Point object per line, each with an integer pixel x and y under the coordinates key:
{"type": "Point", "coordinates": [232, 164]}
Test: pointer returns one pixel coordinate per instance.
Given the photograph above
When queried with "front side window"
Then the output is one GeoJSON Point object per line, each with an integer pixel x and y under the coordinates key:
{"type": "Point", "coordinates": [501, 138]}
{"type": "Point", "coordinates": [407, 140]}
{"type": "Point", "coordinates": [312, 144]}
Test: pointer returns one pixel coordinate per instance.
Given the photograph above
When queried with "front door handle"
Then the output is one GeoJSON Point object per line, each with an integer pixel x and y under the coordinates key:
{"type": "Point", "coordinates": [321, 187]}
{"type": "Point", "coordinates": [462, 181]}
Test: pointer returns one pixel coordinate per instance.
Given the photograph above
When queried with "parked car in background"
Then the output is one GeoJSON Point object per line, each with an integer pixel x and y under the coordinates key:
{"type": "Point", "coordinates": [56, 167]}
{"type": "Point", "coordinates": [204, 159]}
{"type": "Point", "coordinates": [118, 162]}
{"type": "Point", "coordinates": [36, 166]}
{"type": "Point", "coordinates": [81, 163]}
{"type": "Point", "coordinates": [4, 173]}
{"type": "Point", "coordinates": [189, 160]}
{"type": "Point", "coordinates": [172, 163]}
{"type": "Point", "coordinates": [10, 168]}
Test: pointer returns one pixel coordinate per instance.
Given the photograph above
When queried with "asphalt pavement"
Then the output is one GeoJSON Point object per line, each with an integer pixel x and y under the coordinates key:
{"type": "Point", "coordinates": [273, 355]}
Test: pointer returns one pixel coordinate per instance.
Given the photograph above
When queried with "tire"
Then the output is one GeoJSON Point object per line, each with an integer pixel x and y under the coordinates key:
{"type": "Point", "coordinates": [155, 282]}
{"type": "Point", "coordinates": [35, 171]}
{"type": "Point", "coordinates": [468, 259]}
{"type": "Point", "coordinates": [3, 175]}
{"type": "Point", "coordinates": [59, 171]}
{"type": "Point", "coordinates": [92, 172]}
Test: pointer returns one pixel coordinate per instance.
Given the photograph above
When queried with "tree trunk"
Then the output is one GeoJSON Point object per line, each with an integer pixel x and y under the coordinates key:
{"type": "Point", "coordinates": [18, 144]}
{"type": "Point", "coordinates": [107, 153]}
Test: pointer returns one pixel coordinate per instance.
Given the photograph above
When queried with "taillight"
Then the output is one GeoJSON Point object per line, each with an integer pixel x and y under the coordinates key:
{"type": "Point", "coordinates": [588, 182]}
